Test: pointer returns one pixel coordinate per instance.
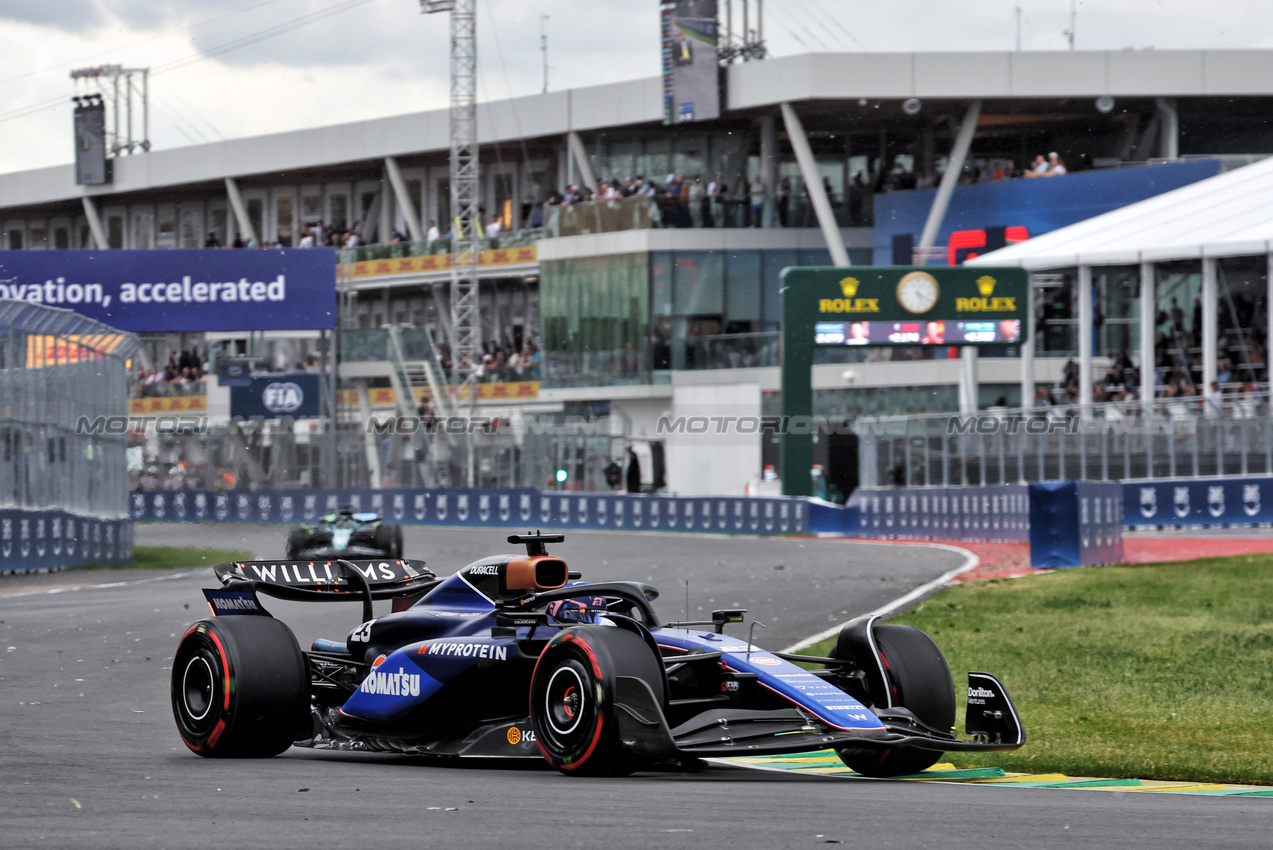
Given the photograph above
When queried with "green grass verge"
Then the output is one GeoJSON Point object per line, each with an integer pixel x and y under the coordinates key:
{"type": "Point", "coordinates": [1159, 671]}
{"type": "Point", "coordinates": [171, 557]}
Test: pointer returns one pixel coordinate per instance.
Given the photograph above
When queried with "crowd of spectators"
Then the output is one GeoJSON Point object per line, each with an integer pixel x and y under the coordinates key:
{"type": "Point", "coordinates": [185, 373]}
{"type": "Point", "coordinates": [502, 362]}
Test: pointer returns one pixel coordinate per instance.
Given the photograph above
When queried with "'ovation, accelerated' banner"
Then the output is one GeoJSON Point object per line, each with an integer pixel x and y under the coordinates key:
{"type": "Point", "coordinates": [181, 290]}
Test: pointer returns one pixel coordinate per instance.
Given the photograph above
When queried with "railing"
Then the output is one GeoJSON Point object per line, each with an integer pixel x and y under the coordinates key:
{"type": "Point", "coordinates": [427, 248]}
{"type": "Point", "coordinates": [1228, 435]}
{"type": "Point", "coordinates": [733, 351]}
{"type": "Point", "coordinates": [374, 344]}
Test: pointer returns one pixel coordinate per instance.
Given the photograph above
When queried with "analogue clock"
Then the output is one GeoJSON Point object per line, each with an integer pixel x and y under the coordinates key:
{"type": "Point", "coordinates": [917, 292]}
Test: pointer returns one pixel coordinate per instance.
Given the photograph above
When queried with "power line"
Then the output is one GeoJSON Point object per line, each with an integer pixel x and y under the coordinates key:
{"type": "Point", "coordinates": [83, 59]}
{"type": "Point", "coordinates": [829, 17]}
{"type": "Point", "coordinates": [186, 111]}
{"type": "Point", "coordinates": [261, 35]}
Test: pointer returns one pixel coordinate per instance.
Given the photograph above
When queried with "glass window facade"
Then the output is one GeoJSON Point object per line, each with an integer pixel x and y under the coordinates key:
{"type": "Point", "coordinates": [595, 319]}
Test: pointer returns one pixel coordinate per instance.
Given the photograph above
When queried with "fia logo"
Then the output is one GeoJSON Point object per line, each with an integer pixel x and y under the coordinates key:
{"type": "Point", "coordinates": [244, 506]}
{"type": "Point", "coordinates": [545, 508]}
{"type": "Point", "coordinates": [505, 507]}
{"type": "Point", "coordinates": [399, 506]}
{"type": "Point", "coordinates": [6, 537]}
{"type": "Point", "coordinates": [39, 538]}
{"type": "Point", "coordinates": [138, 505]}
{"type": "Point", "coordinates": [311, 507]}
{"type": "Point", "coordinates": [419, 508]}
{"type": "Point", "coordinates": [484, 507]}
{"type": "Point", "coordinates": [158, 505]}
{"type": "Point", "coordinates": [286, 506]}
{"type": "Point", "coordinates": [462, 507]}
{"type": "Point", "coordinates": [601, 511]}
{"type": "Point", "coordinates": [179, 505]}
{"type": "Point", "coordinates": [57, 535]}
{"type": "Point", "coordinates": [439, 507]}
{"type": "Point", "coordinates": [263, 507]}
{"type": "Point", "coordinates": [221, 506]}
{"type": "Point", "coordinates": [524, 506]}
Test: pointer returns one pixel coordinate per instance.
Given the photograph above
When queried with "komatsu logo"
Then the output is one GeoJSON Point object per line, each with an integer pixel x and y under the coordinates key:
{"type": "Point", "coordinates": [466, 650]}
{"type": "Point", "coordinates": [234, 604]}
{"type": "Point", "coordinates": [400, 684]}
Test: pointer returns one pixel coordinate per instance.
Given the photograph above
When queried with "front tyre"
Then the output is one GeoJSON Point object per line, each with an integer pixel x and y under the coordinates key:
{"type": "Point", "coordinates": [240, 688]}
{"type": "Point", "coordinates": [919, 680]}
{"type": "Point", "coordinates": [572, 698]}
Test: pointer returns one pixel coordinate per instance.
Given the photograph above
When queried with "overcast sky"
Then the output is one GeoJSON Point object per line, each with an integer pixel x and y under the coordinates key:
{"type": "Point", "coordinates": [233, 68]}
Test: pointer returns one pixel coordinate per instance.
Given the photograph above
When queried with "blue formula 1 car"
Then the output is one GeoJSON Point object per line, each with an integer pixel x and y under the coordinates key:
{"type": "Point", "coordinates": [514, 656]}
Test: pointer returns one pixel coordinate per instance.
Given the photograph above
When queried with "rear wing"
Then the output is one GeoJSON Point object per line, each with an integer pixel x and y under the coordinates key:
{"type": "Point", "coordinates": [329, 581]}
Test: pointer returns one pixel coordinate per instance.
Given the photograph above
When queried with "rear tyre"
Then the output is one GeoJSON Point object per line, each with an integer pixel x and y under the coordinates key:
{"type": "Point", "coordinates": [296, 540]}
{"type": "Point", "coordinates": [384, 539]}
{"type": "Point", "coordinates": [920, 681]}
{"type": "Point", "coordinates": [240, 688]}
{"type": "Point", "coordinates": [572, 705]}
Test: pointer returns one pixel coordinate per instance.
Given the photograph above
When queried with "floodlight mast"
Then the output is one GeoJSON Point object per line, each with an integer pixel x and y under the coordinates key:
{"type": "Point", "coordinates": [120, 80]}
{"type": "Point", "coordinates": [466, 224]}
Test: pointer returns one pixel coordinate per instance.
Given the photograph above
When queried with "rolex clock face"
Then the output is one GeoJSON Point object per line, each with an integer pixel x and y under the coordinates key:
{"type": "Point", "coordinates": [917, 292]}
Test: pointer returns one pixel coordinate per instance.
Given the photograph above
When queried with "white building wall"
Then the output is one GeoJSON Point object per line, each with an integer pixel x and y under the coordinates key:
{"type": "Point", "coordinates": [720, 458]}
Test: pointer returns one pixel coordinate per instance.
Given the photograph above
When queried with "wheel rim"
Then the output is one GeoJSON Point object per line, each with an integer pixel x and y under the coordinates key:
{"type": "Point", "coordinates": [198, 683]}
{"type": "Point", "coordinates": [564, 700]}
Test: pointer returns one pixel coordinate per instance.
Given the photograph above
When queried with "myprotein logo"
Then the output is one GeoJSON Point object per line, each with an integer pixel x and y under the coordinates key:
{"type": "Point", "coordinates": [466, 650]}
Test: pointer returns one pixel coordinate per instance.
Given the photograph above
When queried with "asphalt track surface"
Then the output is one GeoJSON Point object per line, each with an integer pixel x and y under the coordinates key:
{"type": "Point", "coordinates": [89, 756]}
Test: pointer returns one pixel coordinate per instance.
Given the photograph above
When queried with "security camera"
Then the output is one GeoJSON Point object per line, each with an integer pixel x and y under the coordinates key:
{"type": "Point", "coordinates": [912, 106]}
{"type": "Point", "coordinates": [849, 376]}
{"type": "Point", "coordinates": [1105, 103]}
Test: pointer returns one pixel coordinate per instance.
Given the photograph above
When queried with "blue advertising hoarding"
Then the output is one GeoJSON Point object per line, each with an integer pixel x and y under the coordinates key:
{"type": "Point", "coordinates": [514, 508]}
{"type": "Point", "coordinates": [273, 396]}
{"type": "Point", "coordinates": [181, 290]}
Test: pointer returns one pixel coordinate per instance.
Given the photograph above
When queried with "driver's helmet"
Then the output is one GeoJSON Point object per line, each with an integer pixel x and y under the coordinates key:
{"type": "Point", "coordinates": [581, 609]}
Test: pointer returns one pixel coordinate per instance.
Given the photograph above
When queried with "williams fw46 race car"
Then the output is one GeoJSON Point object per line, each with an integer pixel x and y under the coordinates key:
{"type": "Point", "coordinates": [346, 534]}
{"type": "Point", "coordinates": [514, 656]}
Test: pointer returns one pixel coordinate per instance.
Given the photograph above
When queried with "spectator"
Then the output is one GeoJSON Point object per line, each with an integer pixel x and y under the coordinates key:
{"type": "Point", "coordinates": [757, 200]}
{"type": "Point", "coordinates": [212, 241]}
{"type": "Point", "coordinates": [1038, 168]}
{"type": "Point", "coordinates": [433, 234]}
{"type": "Point", "coordinates": [1056, 165]}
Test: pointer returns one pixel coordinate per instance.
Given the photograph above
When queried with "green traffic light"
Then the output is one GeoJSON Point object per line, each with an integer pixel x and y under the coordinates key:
{"type": "Point", "coordinates": [561, 475]}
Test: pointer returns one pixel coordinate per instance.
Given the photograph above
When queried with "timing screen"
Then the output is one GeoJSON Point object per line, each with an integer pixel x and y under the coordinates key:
{"type": "Point", "coordinates": [935, 332]}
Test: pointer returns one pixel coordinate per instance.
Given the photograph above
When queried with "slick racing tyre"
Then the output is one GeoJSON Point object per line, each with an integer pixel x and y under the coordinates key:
{"type": "Point", "coordinates": [296, 543]}
{"type": "Point", "coordinates": [572, 698]}
{"type": "Point", "coordinates": [388, 539]}
{"type": "Point", "coordinates": [240, 688]}
{"type": "Point", "coordinates": [920, 681]}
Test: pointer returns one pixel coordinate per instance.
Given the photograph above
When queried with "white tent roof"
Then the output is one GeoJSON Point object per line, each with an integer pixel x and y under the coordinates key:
{"type": "Point", "coordinates": [1227, 215]}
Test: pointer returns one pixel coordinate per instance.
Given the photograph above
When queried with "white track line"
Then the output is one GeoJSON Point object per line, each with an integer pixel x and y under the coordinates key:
{"type": "Point", "coordinates": [970, 563]}
{"type": "Point", "coordinates": [78, 587]}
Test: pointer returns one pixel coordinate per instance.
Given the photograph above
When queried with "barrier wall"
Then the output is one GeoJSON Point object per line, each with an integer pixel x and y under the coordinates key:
{"type": "Point", "coordinates": [995, 512]}
{"type": "Point", "coordinates": [521, 508]}
{"type": "Point", "coordinates": [1198, 502]}
{"type": "Point", "coordinates": [1075, 523]}
{"type": "Point", "coordinates": [34, 539]}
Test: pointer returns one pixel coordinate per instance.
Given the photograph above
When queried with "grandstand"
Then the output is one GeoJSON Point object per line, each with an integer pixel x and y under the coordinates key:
{"type": "Point", "coordinates": [629, 305]}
